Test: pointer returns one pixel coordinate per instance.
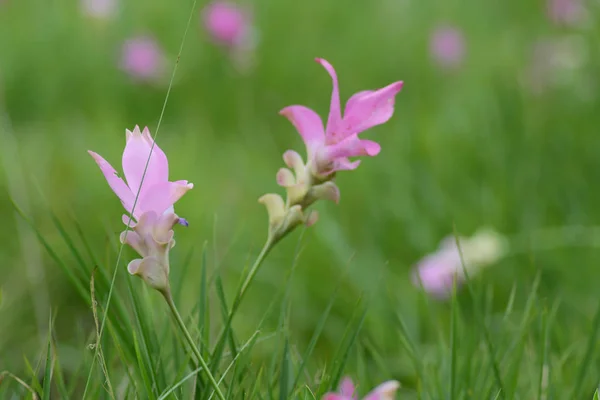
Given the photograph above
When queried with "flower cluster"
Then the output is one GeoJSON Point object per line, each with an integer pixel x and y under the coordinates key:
{"type": "Point", "coordinates": [328, 149]}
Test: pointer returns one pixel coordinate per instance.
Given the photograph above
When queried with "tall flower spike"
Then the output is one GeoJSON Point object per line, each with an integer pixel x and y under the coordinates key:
{"type": "Point", "coordinates": [330, 147]}
{"type": "Point", "coordinates": [385, 391]}
{"type": "Point", "coordinates": [152, 235]}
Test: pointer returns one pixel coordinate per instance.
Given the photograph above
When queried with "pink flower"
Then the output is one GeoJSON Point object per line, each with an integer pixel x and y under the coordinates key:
{"type": "Point", "coordinates": [142, 58]}
{"type": "Point", "coordinates": [438, 272]}
{"type": "Point", "coordinates": [385, 391]}
{"type": "Point", "coordinates": [227, 23]}
{"type": "Point", "coordinates": [101, 9]}
{"type": "Point", "coordinates": [329, 148]}
{"type": "Point", "coordinates": [152, 236]}
{"type": "Point", "coordinates": [156, 194]}
{"type": "Point", "coordinates": [554, 62]}
{"type": "Point", "coordinates": [447, 46]}
{"type": "Point", "coordinates": [566, 12]}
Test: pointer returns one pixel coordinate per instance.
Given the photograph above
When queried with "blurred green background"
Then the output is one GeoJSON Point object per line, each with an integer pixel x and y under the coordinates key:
{"type": "Point", "coordinates": [506, 139]}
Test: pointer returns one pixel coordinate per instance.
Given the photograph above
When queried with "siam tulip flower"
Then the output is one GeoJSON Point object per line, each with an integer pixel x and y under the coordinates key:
{"type": "Point", "coordinates": [100, 9]}
{"type": "Point", "coordinates": [329, 148]}
{"type": "Point", "coordinates": [152, 235]}
{"type": "Point", "coordinates": [231, 26]}
{"type": "Point", "coordinates": [228, 24]}
{"type": "Point", "coordinates": [328, 151]}
{"type": "Point", "coordinates": [385, 391]}
{"type": "Point", "coordinates": [555, 62]}
{"type": "Point", "coordinates": [143, 59]}
{"type": "Point", "coordinates": [447, 47]}
{"type": "Point", "coordinates": [566, 12]}
{"type": "Point", "coordinates": [438, 272]}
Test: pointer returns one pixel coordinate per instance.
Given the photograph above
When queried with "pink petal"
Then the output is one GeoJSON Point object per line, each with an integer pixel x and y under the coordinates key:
{"type": "Point", "coordinates": [352, 147]}
{"type": "Point", "coordinates": [335, 396]}
{"type": "Point", "coordinates": [343, 164]}
{"type": "Point", "coordinates": [347, 387]}
{"type": "Point", "coordinates": [437, 272]}
{"type": "Point", "coordinates": [115, 183]}
{"type": "Point", "coordinates": [135, 157]}
{"type": "Point", "coordinates": [335, 112]}
{"type": "Point", "coordinates": [370, 108]}
{"type": "Point", "coordinates": [160, 197]}
{"type": "Point", "coordinates": [308, 124]}
{"type": "Point", "coordinates": [385, 391]}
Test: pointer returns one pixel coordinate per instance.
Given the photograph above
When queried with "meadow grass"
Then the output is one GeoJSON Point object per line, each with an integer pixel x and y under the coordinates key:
{"type": "Point", "coordinates": [466, 148]}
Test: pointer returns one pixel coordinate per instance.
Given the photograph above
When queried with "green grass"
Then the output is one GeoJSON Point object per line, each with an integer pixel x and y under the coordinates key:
{"type": "Point", "coordinates": [465, 148]}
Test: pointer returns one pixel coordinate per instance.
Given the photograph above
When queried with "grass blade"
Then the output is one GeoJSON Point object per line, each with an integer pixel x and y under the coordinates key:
{"type": "Point", "coordinates": [49, 367]}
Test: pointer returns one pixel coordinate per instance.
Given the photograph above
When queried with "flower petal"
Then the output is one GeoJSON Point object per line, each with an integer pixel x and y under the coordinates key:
{"type": "Point", "coordinates": [161, 197]}
{"type": "Point", "coordinates": [308, 124]}
{"type": "Point", "coordinates": [335, 396]}
{"type": "Point", "coordinates": [370, 108]}
{"type": "Point", "coordinates": [115, 183]}
{"type": "Point", "coordinates": [335, 111]}
{"type": "Point", "coordinates": [385, 391]}
{"type": "Point", "coordinates": [135, 157]}
{"type": "Point", "coordinates": [352, 147]}
{"type": "Point", "coordinates": [343, 164]}
{"type": "Point", "coordinates": [347, 387]}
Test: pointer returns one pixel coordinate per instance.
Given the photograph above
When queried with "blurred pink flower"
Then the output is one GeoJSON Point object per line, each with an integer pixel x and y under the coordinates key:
{"type": "Point", "coordinates": [156, 194]}
{"type": "Point", "coordinates": [437, 272]}
{"type": "Point", "coordinates": [447, 46]}
{"type": "Point", "coordinates": [101, 9]}
{"type": "Point", "coordinates": [142, 58]}
{"type": "Point", "coordinates": [555, 61]}
{"type": "Point", "coordinates": [565, 12]}
{"type": "Point", "coordinates": [227, 23]}
{"type": "Point", "coordinates": [385, 391]}
{"type": "Point", "coordinates": [329, 148]}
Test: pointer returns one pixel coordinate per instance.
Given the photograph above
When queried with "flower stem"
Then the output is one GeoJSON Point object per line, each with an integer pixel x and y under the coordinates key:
{"type": "Point", "coordinates": [253, 270]}
{"type": "Point", "coordinates": [192, 344]}
{"type": "Point", "coordinates": [257, 263]}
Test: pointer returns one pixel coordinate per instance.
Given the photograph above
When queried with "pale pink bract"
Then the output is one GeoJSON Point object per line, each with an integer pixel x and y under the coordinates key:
{"type": "Point", "coordinates": [157, 194]}
{"type": "Point", "coordinates": [329, 147]}
{"type": "Point", "coordinates": [227, 23]}
{"type": "Point", "coordinates": [385, 391]}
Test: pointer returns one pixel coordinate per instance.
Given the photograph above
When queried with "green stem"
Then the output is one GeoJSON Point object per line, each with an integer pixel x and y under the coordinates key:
{"type": "Point", "coordinates": [253, 270]}
{"type": "Point", "coordinates": [192, 344]}
{"type": "Point", "coordinates": [257, 263]}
